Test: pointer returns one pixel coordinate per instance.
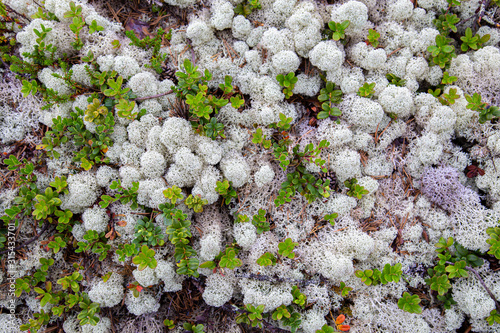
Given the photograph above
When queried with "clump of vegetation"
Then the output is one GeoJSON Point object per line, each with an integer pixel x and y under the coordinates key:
{"type": "Point", "coordinates": [246, 7]}
{"type": "Point", "coordinates": [336, 31]}
{"type": "Point", "coordinates": [192, 87]}
{"type": "Point", "coordinates": [288, 82]}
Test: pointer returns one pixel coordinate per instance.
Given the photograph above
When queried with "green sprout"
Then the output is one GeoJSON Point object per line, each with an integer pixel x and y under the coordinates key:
{"type": "Point", "coordinates": [286, 248]}
{"type": "Point", "coordinates": [336, 31]}
{"type": "Point", "coordinates": [409, 303]}
{"type": "Point", "coordinates": [288, 82]}
{"type": "Point", "coordinates": [195, 203]}
{"type": "Point", "coordinates": [373, 37]}
{"type": "Point", "coordinates": [267, 259]}
{"type": "Point", "coordinates": [367, 90]}
{"type": "Point", "coordinates": [471, 42]}
{"type": "Point", "coordinates": [145, 258]}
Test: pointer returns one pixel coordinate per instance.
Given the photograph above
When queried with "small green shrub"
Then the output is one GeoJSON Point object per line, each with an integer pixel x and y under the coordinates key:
{"type": "Point", "coordinates": [472, 42]}
{"type": "Point", "coordinates": [494, 241]}
{"type": "Point", "coordinates": [393, 79]}
{"type": "Point", "coordinates": [145, 258]}
{"type": "Point", "coordinates": [146, 233]}
{"type": "Point", "coordinates": [486, 112]}
{"type": "Point", "coordinates": [375, 277]}
{"type": "Point", "coordinates": [354, 189]}
{"type": "Point", "coordinates": [267, 259]}
{"type": "Point", "coordinates": [409, 303]}
{"type": "Point", "coordinates": [227, 190]}
{"type": "Point", "coordinates": [194, 328]}
{"type": "Point", "coordinates": [195, 203]}
{"type": "Point", "coordinates": [373, 37]}
{"type": "Point", "coordinates": [247, 7]}
{"type": "Point", "coordinates": [329, 96]}
{"type": "Point", "coordinates": [252, 316]}
{"type": "Point", "coordinates": [367, 90]}
{"type": "Point", "coordinates": [442, 52]}
{"type": "Point", "coordinates": [446, 23]}
{"type": "Point", "coordinates": [288, 82]}
{"type": "Point", "coordinates": [299, 298]}
{"type": "Point", "coordinates": [336, 31]}
{"type": "Point", "coordinates": [260, 222]}
{"type": "Point", "coordinates": [286, 248]}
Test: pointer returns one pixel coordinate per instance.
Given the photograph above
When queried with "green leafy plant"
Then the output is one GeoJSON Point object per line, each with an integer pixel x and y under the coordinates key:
{"type": "Point", "coordinates": [409, 303]}
{"type": "Point", "coordinates": [260, 222]}
{"type": "Point", "coordinates": [214, 129]}
{"type": "Point", "coordinates": [194, 328]}
{"type": "Point", "coordinates": [281, 312]}
{"type": "Point", "coordinates": [146, 233]}
{"type": "Point", "coordinates": [354, 189]}
{"type": "Point", "coordinates": [284, 122]}
{"type": "Point", "coordinates": [89, 311]}
{"type": "Point", "coordinates": [92, 146]}
{"type": "Point", "coordinates": [288, 82]}
{"type": "Point", "coordinates": [450, 97]}
{"type": "Point", "coordinates": [375, 277]}
{"type": "Point", "coordinates": [71, 281]}
{"type": "Point", "coordinates": [247, 7]}
{"type": "Point", "coordinates": [192, 87]}
{"type": "Point", "coordinates": [93, 27]}
{"type": "Point", "coordinates": [237, 101]}
{"type": "Point", "coordinates": [153, 43]}
{"type": "Point", "coordinates": [286, 248]}
{"type": "Point", "coordinates": [229, 260]}
{"type": "Point", "coordinates": [447, 300]}
{"type": "Point", "coordinates": [294, 321]}
{"type": "Point", "coordinates": [179, 232]}
{"type": "Point", "coordinates": [126, 250]}
{"type": "Point", "coordinates": [367, 90]}
{"type": "Point", "coordinates": [344, 290]}
{"type": "Point", "coordinates": [494, 241]}
{"type": "Point", "coordinates": [75, 12]}
{"type": "Point", "coordinates": [195, 203]}
{"type": "Point", "coordinates": [329, 96]}
{"type": "Point", "coordinates": [486, 112]}
{"type": "Point", "coordinates": [472, 42]}
{"type": "Point", "coordinates": [227, 190]}
{"type": "Point", "coordinates": [299, 298]}
{"type": "Point", "coordinates": [46, 204]}
{"type": "Point", "coordinates": [96, 113]}
{"type": "Point", "coordinates": [331, 218]}
{"type": "Point", "coordinates": [124, 195]}
{"type": "Point", "coordinates": [373, 37]}
{"type": "Point", "coordinates": [57, 244]}
{"type": "Point", "coordinates": [393, 79]}
{"type": "Point", "coordinates": [46, 296]}
{"type": "Point", "coordinates": [304, 183]}
{"type": "Point", "coordinates": [173, 193]}
{"type": "Point", "coordinates": [252, 316]}
{"type": "Point", "coordinates": [336, 31]}
{"type": "Point", "coordinates": [494, 317]}
{"type": "Point", "coordinates": [439, 283]}
{"type": "Point", "coordinates": [94, 242]}
{"type": "Point", "coordinates": [169, 323]}
{"type": "Point", "coordinates": [22, 284]}
{"type": "Point", "coordinates": [259, 139]}
{"type": "Point", "coordinates": [447, 79]}
{"type": "Point", "coordinates": [442, 52]}
{"type": "Point", "coordinates": [446, 23]}
{"type": "Point", "coordinates": [116, 44]}
{"type": "Point", "coordinates": [267, 259]}
{"type": "Point", "coordinates": [457, 270]}
{"type": "Point", "coordinates": [145, 258]}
